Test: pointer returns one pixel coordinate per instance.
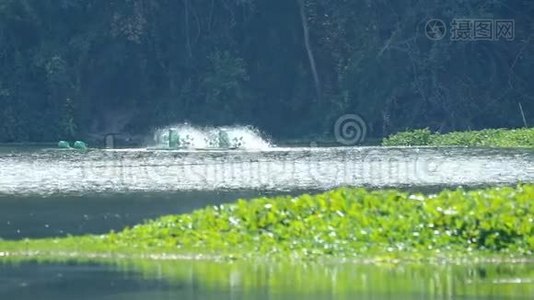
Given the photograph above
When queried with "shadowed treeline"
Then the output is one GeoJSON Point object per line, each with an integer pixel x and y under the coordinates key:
{"type": "Point", "coordinates": [78, 68]}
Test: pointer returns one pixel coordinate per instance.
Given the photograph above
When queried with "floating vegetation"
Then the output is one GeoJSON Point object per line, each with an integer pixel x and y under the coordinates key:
{"type": "Point", "coordinates": [483, 138]}
{"type": "Point", "coordinates": [346, 223]}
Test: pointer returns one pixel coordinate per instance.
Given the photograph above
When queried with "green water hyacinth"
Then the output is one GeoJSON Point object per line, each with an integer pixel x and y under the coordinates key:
{"type": "Point", "coordinates": [484, 138]}
{"type": "Point", "coordinates": [345, 223]}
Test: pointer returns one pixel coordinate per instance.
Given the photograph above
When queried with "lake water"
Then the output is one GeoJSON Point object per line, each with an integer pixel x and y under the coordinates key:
{"type": "Point", "coordinates": [55, 193]}
{"type": "Point", "coordinates": [210, 280]}
{"type": "Point", "coordinates": [274, 169]}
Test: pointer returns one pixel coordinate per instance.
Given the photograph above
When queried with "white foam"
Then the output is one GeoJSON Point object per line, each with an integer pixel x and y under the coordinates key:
{"type": "Point", "coordinates": [192, 137]}
{"type": "Point", "coordinates": [249, 137]}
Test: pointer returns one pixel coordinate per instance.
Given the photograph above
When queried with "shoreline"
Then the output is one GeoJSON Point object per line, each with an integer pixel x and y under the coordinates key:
{"type": "Point", "coordinates": [485, 138]}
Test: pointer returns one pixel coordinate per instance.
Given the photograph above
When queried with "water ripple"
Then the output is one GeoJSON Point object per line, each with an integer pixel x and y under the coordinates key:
{"type": "Point", "coordinates": [49, 172]}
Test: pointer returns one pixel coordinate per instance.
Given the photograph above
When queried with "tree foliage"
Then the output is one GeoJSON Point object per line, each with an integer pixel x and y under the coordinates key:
{"type": "Point", "coordinates": [81, 67]}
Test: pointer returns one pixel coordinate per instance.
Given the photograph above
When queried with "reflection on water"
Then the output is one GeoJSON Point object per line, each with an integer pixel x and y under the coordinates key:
{"type": "Point", "coordinates": [211, 280]}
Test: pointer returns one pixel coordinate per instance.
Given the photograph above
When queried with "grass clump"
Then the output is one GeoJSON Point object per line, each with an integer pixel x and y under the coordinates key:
{"type": "Point", "coordinates": [342, 223]}
{"type": "Point", "coordinates": [483, 138]}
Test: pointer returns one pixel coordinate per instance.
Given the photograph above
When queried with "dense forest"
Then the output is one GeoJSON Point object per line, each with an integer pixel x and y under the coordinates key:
{"type": "Point", "coordinates": [82, 68]}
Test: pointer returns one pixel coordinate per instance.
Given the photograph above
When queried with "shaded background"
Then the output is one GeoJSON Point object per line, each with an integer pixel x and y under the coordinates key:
{"type": "Point", "coordinates": [83, 68]}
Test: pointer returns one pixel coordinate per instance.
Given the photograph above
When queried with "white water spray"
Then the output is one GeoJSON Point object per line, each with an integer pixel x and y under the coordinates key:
{"type": "Point", "coordinates": [185, 136]}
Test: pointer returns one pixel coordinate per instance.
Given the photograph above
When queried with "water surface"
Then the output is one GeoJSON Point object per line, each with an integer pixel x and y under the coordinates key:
{"type": "Point", "coordinates": [54, 193]}
{"type": "Point", "coordinates": [211, 280]}
{"type": "Point", "coordinates": [280, 169]}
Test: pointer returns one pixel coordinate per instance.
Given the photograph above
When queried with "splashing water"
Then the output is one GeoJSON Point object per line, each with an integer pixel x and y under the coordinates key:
{"type": "Point", "coordinates": [185, 136]}
{"type": "Point", "coordinates": [246, 137]}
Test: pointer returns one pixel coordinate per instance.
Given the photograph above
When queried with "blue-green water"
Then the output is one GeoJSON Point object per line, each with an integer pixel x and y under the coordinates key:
{"type": "Point", "coordinates": [55, 193]}
{"type": "Point", "coordinates": [210, 280]}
